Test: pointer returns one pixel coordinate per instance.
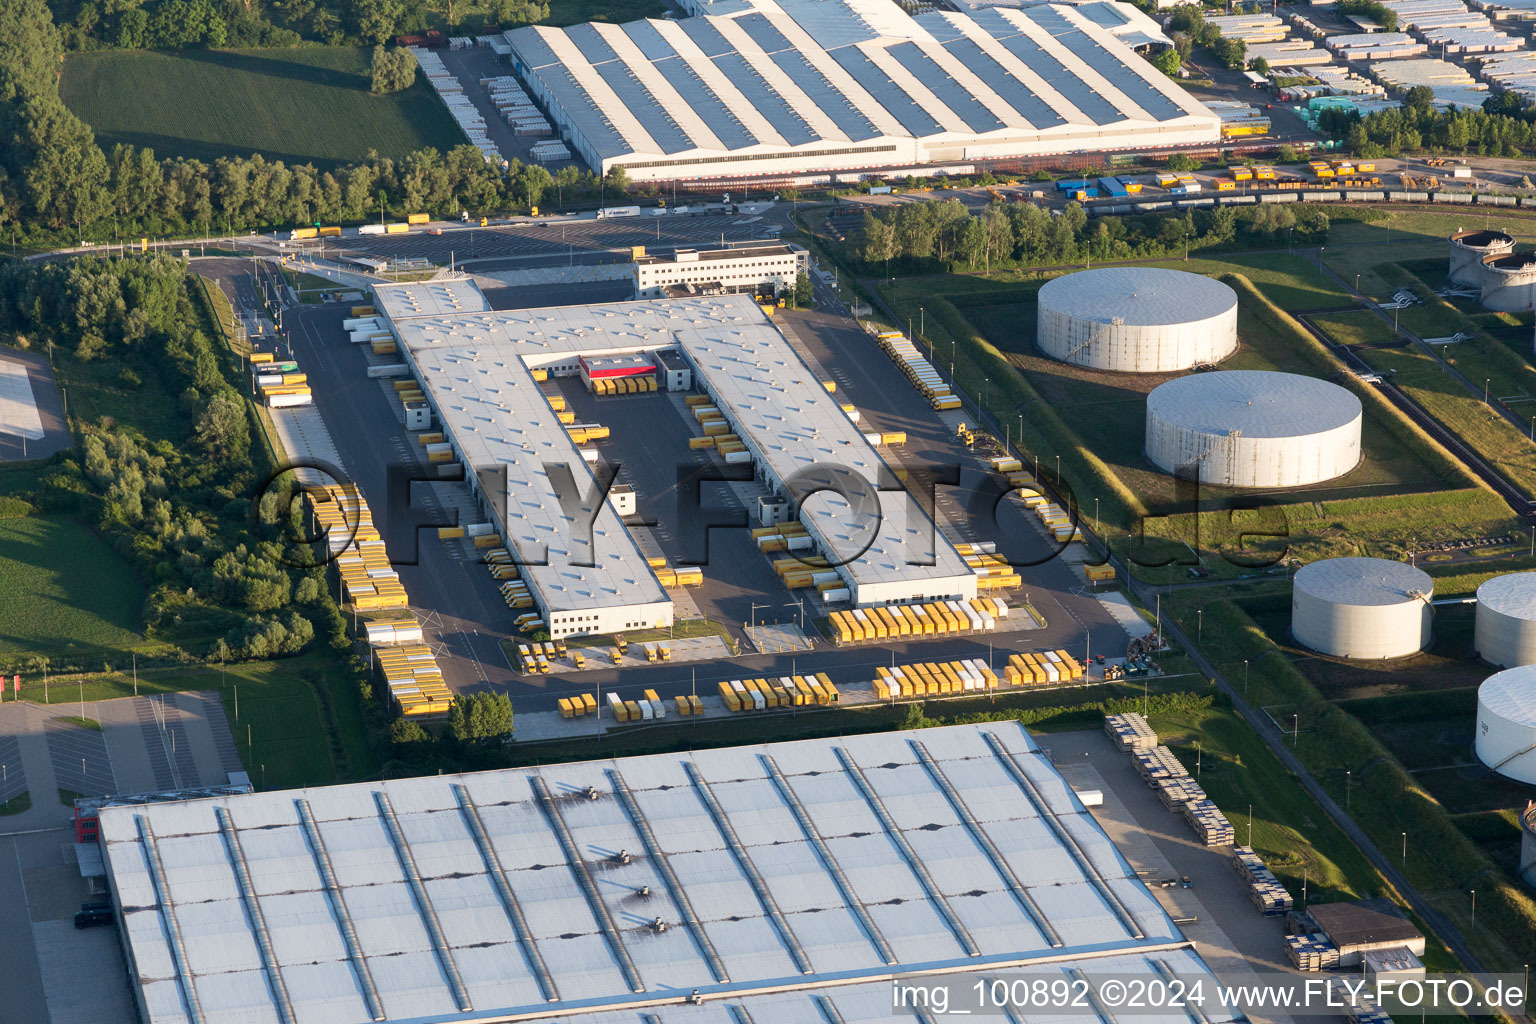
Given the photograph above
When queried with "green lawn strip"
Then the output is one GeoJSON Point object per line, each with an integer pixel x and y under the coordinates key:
{"type": "Point", "coordinates": [66, 595]}
{"type": "Point", "coordinates": [1384, 799]}
{"type": "Point", "coordinates": [280, 712]}
{"type": "Point", "coordinates": [1421, 377]}
{"type": "Point", "coordinates": [1102, 459]}
{"type": "Point", "coordinates": [304, 105]}
{"type": "Point", "coordinates": [84, 723]}
{"type": "Point", "coordinates": [16, 804]}
{"type": "Point", "coordinates": [1290, 831]}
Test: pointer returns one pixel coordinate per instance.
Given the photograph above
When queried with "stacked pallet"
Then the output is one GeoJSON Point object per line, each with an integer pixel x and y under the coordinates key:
{"type": "Point", "coordinates": [918, 370]}
{"type": "Point", "coordinates": [548, 151]}
{"type": "Point", "coordinates": [1210, 825]}
{"type": "Point", "coordinates": [1312, 952]}
{"type": "Point", "coordinates": [933, 679]}
{"type": "Point", "coordinates": [1265, 889]}
{"type": "Point", "coordinates": [460, 107]}
{"type": "Point", "coordinates": [1157, 763]}
{"type": "Point", "coordinates": [784, 692]}
{"type": "Point", "coordinates": [1043, 668]}
{"type": "Point", "coordinates": [1130, 731]}
{"type": "Point", "coordinates": [1178, 792]}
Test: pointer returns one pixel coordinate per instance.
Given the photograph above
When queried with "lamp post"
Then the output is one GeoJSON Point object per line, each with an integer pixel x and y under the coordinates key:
{"type": "Point", "coordinates": [1405, 849]}
{"type": "Point", "coordinates": [1486, 382]}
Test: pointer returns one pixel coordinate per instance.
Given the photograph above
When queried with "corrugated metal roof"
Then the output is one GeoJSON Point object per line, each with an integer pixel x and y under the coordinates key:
{"type": "Point", "coordinates": [808, 825]}
{"type": "Point", "coordinates": [920, 77]}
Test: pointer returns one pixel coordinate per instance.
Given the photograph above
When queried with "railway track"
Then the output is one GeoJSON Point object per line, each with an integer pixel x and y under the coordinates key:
{"type": "Point", "coordinates": [1470, 460]}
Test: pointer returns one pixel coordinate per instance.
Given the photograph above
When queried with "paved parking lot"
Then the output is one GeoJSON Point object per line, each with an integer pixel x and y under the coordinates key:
{"type": "Point", "coordinates": [45, 395]}
{"type": "Point", "coordinates": [558, 237]}
{"type": "Point", "coordinates": [79, 757]}
{"type": "Point", "coordinates": [13, 774]}
{"type": "Point", "coordinates": [52, 971]}
{"type": "Point", "coordinates": [1235, 939]}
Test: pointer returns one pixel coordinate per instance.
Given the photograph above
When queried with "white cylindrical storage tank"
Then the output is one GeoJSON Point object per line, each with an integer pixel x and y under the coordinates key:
{"type": "Point", "coordinates": [1366, 608]}
{"type": "Point", "coordinates": [1468, 248]}
{"type": "Point", "coordinates": [1505, 735]}
{"type": "Point", "coordinates": [1509, 282]}
{"type": "Point", "coordinates": [1253, 428]}
{"type": "Point", "coordinates": [1137, 319]}
{"type": "Point", "coordinates": [1505, 634]}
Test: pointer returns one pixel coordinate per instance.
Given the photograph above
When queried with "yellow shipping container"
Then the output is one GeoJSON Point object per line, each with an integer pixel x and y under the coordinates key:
{"type": "Point", "coordinates": [417, 218]}
{"type": "Point", "coordinates": [396, 229]}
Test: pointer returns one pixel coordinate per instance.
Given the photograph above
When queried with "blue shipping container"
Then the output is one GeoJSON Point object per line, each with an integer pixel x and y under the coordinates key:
{"type": "Point", "coordinates": [1112, 187]}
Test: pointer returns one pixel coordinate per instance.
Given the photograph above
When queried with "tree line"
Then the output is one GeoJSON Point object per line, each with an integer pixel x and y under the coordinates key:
{"type": "Point", "coordinates": [1503, 127]}
{"type": "Point", "coordinates": [56, 182]}
{"type": "Point", "coordinates": [1189, 29]}
{"type": "Point", "coordinates": [926, 237]}
{"type": "Point", "coordinates": [172, 24]}
{"type": "Point", "coordinates": [163, 465]}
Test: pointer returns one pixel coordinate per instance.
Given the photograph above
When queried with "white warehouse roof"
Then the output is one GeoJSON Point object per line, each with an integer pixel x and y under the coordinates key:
{"type": "Point", "coordinates": [475, 367]}
{"type": "Point", "coordinates": [517, 894]}
{"type": "Point", "coordinates": [850, 84]}
{"type": "Point", "coordinates": [429, 298]}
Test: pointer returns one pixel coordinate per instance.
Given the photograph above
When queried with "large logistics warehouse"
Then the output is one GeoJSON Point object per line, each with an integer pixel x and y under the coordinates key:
{"type": "Point", "coordinates": [779, 88]}
{"type": "Point", "coordinates": [476, 371]}
{"type": "Point", "coordinates": [787, 882]}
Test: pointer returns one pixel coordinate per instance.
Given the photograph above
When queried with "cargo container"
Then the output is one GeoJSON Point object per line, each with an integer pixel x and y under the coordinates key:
{"type": "Point", "coordinates": [417, 218]}
{"type": "Point", "coordinates": [396, 229]}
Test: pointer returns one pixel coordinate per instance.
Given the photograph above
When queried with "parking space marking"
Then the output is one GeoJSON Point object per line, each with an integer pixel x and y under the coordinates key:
{"type": "Point", "coordinates": [79, 756]}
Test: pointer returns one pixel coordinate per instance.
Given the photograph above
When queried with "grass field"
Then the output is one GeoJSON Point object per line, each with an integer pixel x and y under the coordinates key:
{"type": "Point", "coordinates": [65, 594]}
{"type": "Point", "coordinates": [309, 105]}
{"type": "Point", "coordinates": [1107, 410]}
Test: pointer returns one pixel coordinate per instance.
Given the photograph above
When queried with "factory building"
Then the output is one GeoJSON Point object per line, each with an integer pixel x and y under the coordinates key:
{"type": "Point", "coordinates": [477, 372]}
{"type": "Point", "coordinates": [782, 882]}
{"type": "Point", "coordinates": [819, 90]}
{"type": "Point", "coordinates": [755, 270]}
{"type": "Point", "coordinates": [1468, 249]}
{"type": "Point", "coordinates": [1505, 630]}
{"type": "Point", "coordinates": [1137, 319]}
{"type": "Point", "coordinates": [1253, 428]}
{"type": "Point", "coordinates": [1505, 734]}
{"type": "Point", "coordinates": [1362, 608]}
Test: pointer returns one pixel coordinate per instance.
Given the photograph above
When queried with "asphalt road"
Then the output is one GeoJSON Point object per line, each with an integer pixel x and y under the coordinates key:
{"type": "Point", "coordinates": [599, 240]}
